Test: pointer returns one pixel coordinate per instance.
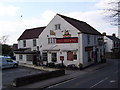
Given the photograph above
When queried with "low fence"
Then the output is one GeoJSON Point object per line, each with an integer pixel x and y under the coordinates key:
{"type": "Point", "coordinates": [37, 77]}
{"type": "Point", "coordinates": [112, 55]}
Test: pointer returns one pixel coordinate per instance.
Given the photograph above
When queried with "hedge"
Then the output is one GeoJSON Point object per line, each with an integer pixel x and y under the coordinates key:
{"type": "Point", "coordinates": [20, 81]}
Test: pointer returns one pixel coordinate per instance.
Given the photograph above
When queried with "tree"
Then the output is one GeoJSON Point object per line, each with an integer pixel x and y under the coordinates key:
{"type": "Point", "coordinates": [6, 50]}
{"type": "Point", "coordinates": [114, 12]}
{"type": "Point", "coordinates": [3, 39]}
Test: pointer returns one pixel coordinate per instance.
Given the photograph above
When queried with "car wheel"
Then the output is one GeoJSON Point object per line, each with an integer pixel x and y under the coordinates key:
{"type": "Point", "coordinates": [15, 65]}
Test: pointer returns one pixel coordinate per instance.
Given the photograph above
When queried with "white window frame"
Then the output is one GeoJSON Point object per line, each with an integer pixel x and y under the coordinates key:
{"type": "Point", "coordinates": [51, 40]}
{"type": "Point", "coordinates": [34, 42]}
{"type": "Point", "coordinates": [57, 26]}
{"type": "Point", "coordinates": [20, 57]}
{"type": "Point", "coordinates": [24, 43]}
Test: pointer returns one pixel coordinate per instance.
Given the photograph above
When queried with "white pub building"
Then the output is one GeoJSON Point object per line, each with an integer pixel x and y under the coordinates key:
{"type": "Point", "coordinates": [64, 40]}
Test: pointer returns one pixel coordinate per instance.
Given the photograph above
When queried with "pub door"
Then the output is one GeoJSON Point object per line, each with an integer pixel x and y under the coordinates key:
{"type": "Point", "coordinates": [34, 60]}
{"type": "Point", "coordinates": [96, 57]}
{"type": "Point", "coordinates": [70, 56]}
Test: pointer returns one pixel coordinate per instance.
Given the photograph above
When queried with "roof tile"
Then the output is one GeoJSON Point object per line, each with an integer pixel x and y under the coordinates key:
{"type": "Point", "coordinates": [31, 33]}
{"type": "Point", "coordinates": [80, 25]}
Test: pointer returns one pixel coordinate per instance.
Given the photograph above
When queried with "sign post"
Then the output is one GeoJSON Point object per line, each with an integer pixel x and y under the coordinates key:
{"type": "Point", "coordinates": [62, 59]}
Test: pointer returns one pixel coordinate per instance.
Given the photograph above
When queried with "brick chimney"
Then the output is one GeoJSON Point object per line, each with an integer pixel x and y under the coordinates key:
{"type": "Point", "coordinates": [113, 34]}
{"type": "Point", "coordinates": [104, 33]}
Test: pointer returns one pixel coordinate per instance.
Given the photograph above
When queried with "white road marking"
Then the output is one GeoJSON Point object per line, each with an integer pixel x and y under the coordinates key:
{"type": "Point", "coordinates": [99, 82]}
{"type": "Point", "coordinates": [61, 83]}
{"type": "Point", "coordinates": [112, 81]}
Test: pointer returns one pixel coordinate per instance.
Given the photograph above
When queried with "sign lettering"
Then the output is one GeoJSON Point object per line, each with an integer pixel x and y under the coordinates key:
{"type": "Point", "coordinates": [67, 40]}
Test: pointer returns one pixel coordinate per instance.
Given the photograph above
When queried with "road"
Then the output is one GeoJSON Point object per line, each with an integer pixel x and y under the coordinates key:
{"type": "Point", "coordinates": [106, 77]}
{"type": "Point", "coordinates": [8, 75]}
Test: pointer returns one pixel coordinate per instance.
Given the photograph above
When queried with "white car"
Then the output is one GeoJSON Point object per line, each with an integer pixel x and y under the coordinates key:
{"type": "Point", "coordinates": [7, 62]}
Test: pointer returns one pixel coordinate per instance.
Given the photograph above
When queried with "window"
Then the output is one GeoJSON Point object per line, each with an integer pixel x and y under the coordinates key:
{"type": "Point", "coordinates": [29, 57]}
{"type": "Point", "coordinates": [54, 40]}
{"type": "Point", "coordinates": [48, 40]}
{"type": "Point", "coordinates": [88, 39]}
{"type": "Point", "coordinates": [89, 57]}
{"type": "Point", "coordinates": [20, 57]}
{"type": "Point", "coordinates": [34, 42]}
{"type": "Point", "coordinates": [54, 57]}
{"type": "Point", "coordinates": [51, 40]}
{"type": "Point", "coordinates": [44, 56]}
{"type": "Point", "coordinates": [75, 56]}
{"type": "Point", "coordinates": [24, 43]}
{"type": "Point", "coordinates": [37, 48]}
{"type": "Point", "coordinates": [57, 27]}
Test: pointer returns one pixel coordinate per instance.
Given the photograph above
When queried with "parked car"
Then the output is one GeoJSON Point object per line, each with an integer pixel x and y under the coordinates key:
{"type": "Point", "coordinates": [7, 62]}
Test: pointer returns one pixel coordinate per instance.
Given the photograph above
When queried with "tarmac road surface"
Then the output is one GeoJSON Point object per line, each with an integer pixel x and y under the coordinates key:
{"type": "Point", "coordinates": [107, 77]}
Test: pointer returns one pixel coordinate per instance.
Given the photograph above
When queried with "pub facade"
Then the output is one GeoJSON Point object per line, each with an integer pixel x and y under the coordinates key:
{"type": "Point", "coordinates": [68, 41]}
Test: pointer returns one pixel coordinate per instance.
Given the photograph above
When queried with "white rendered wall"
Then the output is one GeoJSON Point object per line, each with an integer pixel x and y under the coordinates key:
{"type": "Point", "coordinates": [109, 44]}
{"type": "Point", "coordinates": [43, 39]}
{"type": "Point", "coordinates": [29, 44]}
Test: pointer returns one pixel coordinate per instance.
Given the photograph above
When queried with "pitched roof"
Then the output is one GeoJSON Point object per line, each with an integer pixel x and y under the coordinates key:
{"type": "Point", "coordinates": [114, 38]}
{"type": "Point", "coordinates": [80, 25]}
{"type": "Point", "coordinates": [31, 33]}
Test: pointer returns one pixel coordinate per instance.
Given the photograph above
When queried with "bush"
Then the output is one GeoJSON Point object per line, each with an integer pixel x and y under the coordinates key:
{"type": "Point", "coordinates": [72, 66]}
{"type": "Point", "coordinates": [60, 65]}
{"type": "Point", "coordinates": [51, 65]}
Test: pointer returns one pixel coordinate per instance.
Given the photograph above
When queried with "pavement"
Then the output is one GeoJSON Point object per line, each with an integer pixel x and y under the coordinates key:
{"type": "Point", "coordinates": [69, 74]}
{"type": "Point", "coordinates": [38, 67]}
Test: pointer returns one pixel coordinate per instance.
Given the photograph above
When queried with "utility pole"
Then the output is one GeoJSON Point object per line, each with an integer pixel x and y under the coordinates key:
{"type": "Point", "coordinates": [119, 20]}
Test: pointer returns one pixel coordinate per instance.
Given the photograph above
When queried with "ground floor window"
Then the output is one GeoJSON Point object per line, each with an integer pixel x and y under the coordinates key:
{"type": "Point", "coordinates": [89, 56]}
{"type": "Point", "coordinates": [20, 57]}
{"type": "Point", "coordinates": [44, 55]}
{"type": "Point", "coordinates": [70, 56]}
{"type": "Point", "coordinates": [29, 57]}
{"type": "Point", "coordinates": [75, 56]}
{"type": "Point", "coordinates": [54, 57]}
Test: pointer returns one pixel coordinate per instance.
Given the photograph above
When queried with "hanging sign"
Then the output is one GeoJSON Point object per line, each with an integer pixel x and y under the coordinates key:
{"type": "Point", "coordinates": [89, 48]}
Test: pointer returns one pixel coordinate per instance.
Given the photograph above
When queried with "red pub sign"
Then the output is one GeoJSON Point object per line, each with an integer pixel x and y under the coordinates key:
{"type": "Point", "coordinates": [62, 58]}
{"type": "Point", "coordinates": [67, 40]}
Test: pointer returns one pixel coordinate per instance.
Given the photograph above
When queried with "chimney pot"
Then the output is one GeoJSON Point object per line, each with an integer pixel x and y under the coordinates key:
{"type": "Point", "coordinates": [104, 33]}
{"type": "Point", "coordinates": [113, 34]}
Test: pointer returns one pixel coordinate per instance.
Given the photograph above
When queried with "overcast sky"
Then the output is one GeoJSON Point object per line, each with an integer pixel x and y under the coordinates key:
{"type": "Point", "coordinates": [18, 15]}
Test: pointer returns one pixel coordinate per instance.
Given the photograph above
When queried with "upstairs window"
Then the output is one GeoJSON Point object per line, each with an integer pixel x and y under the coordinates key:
{"type": "Point", "coordinates": [34, 42]}
{"type": "Point", "coordinates": [51, 40]}
{"type": "Point", "coordinates": [48, 40]}
{"type": "Point", "coordinates": [24, 43]}
{"type": "Point", "coordinates": [57, 27]}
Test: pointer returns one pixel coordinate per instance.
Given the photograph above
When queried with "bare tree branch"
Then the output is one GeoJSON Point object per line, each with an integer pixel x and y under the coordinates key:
{"type": "Point", "coordinates": [4, 39]}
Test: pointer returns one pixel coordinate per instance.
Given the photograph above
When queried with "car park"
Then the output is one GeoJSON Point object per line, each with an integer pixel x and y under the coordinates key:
{"type": "Point", "coordinates": [7, 62]}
